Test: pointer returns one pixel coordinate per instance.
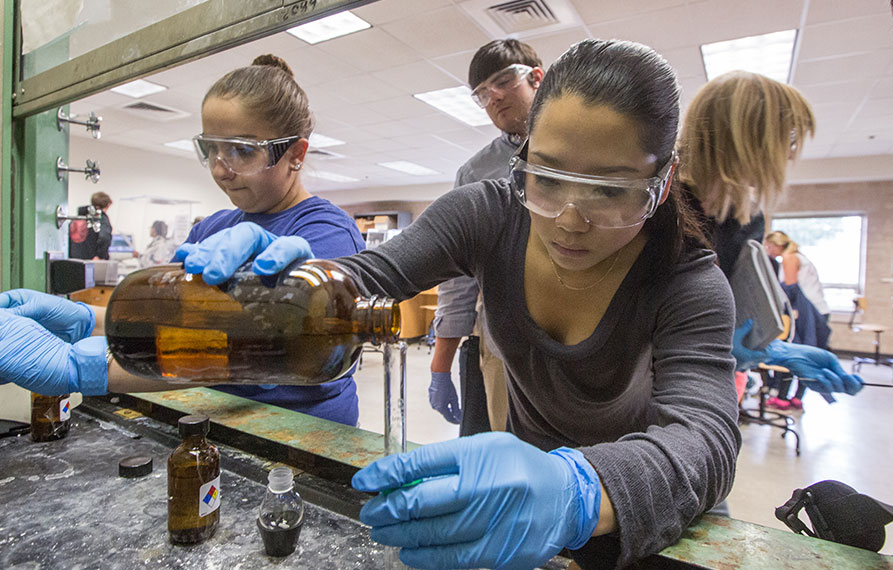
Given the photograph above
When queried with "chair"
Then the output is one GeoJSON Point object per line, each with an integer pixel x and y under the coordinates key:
{"type": "Point", "coordinates": [762, 416]}
{"type": "Point", "coordinates": [859, 306]}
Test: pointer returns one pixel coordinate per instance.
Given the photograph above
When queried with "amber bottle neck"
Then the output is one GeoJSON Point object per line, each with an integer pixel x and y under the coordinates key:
{"type": "Point", "coordinates": [379, 319]}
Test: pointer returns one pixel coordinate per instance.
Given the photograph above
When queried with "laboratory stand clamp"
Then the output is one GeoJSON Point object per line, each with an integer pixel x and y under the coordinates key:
{"type": "Point", "coordinates": [92, 122]}
{"type": "Point", "coordinates": [91, 172]}
{"type": "Point", "coordinates": [93, 217]}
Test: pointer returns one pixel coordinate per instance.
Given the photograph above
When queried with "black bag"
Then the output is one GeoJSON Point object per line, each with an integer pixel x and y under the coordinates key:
{"type": "Point", "coordinates": [475, 418]}
{"type": "Point", "coordinates": [838, 513]}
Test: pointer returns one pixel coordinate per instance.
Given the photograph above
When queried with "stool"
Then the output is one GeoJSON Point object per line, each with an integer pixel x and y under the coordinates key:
{"type": "Point", "coordinates": [859, 306]}
{"type": "Point", "coordinates": [762, 416]}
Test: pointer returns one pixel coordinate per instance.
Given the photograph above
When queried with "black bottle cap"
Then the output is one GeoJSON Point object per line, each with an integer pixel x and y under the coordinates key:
{"type": "Point", "coordinates": [194, 425]}
{"type": "Point", "coordinates": [135, 466]}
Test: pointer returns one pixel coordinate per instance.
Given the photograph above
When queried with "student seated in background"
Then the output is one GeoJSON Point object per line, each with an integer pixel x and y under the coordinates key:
{"type": "Point", "coordinates": [160, 249]}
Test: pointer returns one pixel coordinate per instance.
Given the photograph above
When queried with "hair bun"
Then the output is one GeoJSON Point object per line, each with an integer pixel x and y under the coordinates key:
{"type": "Point", "coordinates": [273, 61]}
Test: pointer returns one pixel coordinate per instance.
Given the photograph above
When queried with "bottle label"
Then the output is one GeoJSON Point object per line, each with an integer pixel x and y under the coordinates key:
{"type": "Point", "coordinates": [64, 409]}
{"type": "Point", "coordinates": [209, 497]}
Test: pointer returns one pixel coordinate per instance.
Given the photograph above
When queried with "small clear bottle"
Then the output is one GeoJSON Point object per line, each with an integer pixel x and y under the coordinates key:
{"type": "Point", "coordinates": [306, 325]}
{"type": "Point", "coordinates": [281, 513]}
{"type": "Point", "coordinates": [50, 417]}
{"type": "Point", "coordinates": [193, 484]}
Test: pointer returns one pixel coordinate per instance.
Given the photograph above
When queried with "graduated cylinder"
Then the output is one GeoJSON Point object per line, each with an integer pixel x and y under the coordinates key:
{"type": "Point", "coordinates": [305, 325]}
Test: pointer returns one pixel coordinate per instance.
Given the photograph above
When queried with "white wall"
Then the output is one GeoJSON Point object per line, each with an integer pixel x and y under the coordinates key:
{"type": "Point", "coordinates": [129, 173]}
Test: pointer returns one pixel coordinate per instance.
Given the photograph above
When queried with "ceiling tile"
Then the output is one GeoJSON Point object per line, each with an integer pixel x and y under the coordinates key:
{"type": "Point", "coordinates": [313, 66]}
{"type": "Point", "coordinates": [856, 35]}
{"type": "Point", "coordinates": [385, 11]}
{"type": "Point", "coordinates": [662, 30]}
{"type": "Point", "coordinates": [883, 88]}
{"type": "Point", "coordinates": [606, 10]}
{"type": "Point", "coordinates": [720, 20]}
{"type": "Point", "coordinates": [353, 115]}
{"type": "Point", "coordinates": [686, 61]}
{"type": "Point", "coordinates": [553, 45]}
{"type": "Point", "coordinates": [838, 91]}
{"type": "Point", "coordinates": [403, 107]}
{"type": "Point", "coordinates": [456, 64]}
{"type": "Point", "coordinates": [845, 68]}
{"type": "Point", "coordinates": [362, 88]}
{"type": "Point", "coordinates": [439, 32]}
{"type": "Point", "coordinates": [827, 10]}
{"type": "Point", "coordinates": [370, 50]}
{"type": "Point", "coordinates": [416, 77]}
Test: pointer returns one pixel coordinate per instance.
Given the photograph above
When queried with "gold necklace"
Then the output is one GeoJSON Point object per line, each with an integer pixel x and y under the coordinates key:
{"type": "Point", "coordinates": [602, 278]}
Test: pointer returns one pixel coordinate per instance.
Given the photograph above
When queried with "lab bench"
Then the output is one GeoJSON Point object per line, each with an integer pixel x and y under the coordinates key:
{"type": "Point", "coordinates": [64, 505]}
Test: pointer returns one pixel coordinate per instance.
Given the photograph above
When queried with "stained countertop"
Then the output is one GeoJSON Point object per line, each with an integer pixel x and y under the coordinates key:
{"type": "Point", "coordinates": [64, 506]}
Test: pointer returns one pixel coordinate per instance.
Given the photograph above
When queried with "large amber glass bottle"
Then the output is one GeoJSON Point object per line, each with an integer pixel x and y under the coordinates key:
{"type": "Point", "coordinates": [193, 484]}
{"type": "Point", "coordinates": [304, 326]}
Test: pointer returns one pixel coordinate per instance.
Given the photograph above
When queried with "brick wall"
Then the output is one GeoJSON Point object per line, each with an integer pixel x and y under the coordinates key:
{"type": "Point", "coordinates": [875, 201]}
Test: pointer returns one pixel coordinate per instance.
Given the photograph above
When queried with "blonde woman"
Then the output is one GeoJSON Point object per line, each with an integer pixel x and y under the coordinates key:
{"type": "Point", "coordinates": [740, 133]}
{"type": "Point", "coordinates": [796, 268]}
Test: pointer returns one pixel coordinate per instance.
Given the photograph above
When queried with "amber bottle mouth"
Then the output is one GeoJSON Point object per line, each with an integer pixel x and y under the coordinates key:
{"type": "Point", "coordinates": [382, 317]}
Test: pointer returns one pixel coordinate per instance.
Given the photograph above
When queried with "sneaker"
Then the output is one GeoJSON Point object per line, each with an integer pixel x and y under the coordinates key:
{"type": "Point", "coordinates": [796, 403]}
{"type": "Point", "coordinates": [778, 404]}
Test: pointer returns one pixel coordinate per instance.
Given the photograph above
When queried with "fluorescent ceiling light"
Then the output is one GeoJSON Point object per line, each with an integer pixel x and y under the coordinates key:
{"type": "Point", "coordinates": [768, 54]}
{"type": "Point", "coordinates": [322, 141]}
{"type": "Point", "coordinates": [323, 175]}
{"type": "Point", "coordinates": [138, 88]}
{"type": "Point", "coordinates": [456, 102]}
{"type": "Point", "coordinates": [182, 144]}
{"type": "Point", "coordinates": [333, 26]}
{"type": "Point", "coordinates": [408, 168]}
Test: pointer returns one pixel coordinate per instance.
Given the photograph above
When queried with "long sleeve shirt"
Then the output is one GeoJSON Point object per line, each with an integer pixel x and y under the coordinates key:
{"type": "Point", "coordinates": [649, 398]}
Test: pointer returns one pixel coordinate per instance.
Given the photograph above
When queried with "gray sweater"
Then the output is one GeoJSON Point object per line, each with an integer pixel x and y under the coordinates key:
{"type": "Point", "coordinates": [649, 398]}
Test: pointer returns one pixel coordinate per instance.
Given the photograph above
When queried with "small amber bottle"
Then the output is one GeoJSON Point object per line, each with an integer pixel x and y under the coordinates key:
{"type": "Point", "coordinates": [193, 484]}
{"type": "Point", "coordinates": [50, 417]}
{"type": "Point", "coordinates": [306, 325]}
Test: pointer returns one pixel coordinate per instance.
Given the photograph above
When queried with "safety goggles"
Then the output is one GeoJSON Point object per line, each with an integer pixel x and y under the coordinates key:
{"type": "Point", "coordinates": [242, 156]}
{"type": "Point", "coordinates": [603, 201]}
{"type": "Point", "coordinates": [501, 81]}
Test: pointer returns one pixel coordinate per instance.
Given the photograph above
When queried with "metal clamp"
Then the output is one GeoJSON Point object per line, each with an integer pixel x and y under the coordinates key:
{"type": "Point", "coordinates": [93, 217]}
{"type": "Point", "coordinates": [91, 171]}
{"type": "Point", "coordinates": [92, 122]}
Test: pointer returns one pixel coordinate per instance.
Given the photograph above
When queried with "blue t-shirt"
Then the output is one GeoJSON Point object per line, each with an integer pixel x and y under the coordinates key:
{"type": "Point", "coordinates": [330, 233]}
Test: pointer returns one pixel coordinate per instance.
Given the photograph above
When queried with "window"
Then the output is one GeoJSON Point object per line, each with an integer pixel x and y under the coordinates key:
{"type": "Point", "coordinates": [834, 244]}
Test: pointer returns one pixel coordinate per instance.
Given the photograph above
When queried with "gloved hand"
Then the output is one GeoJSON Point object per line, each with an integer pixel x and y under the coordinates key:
{"type": "Point", "coordinates": [67, 320]}
{"type": "Point", "coordinates": [486, 501]}
{"type": "Point", "coordinates": [746, 358]}
{"type": "Point", "coordinates": [815, 367]}
{"type": "Point", "coordinates": [218, 256]}
{"type": "Point", "coordinates": [37, 360]}
{"type": "Point", "coordinates": [442, 397]}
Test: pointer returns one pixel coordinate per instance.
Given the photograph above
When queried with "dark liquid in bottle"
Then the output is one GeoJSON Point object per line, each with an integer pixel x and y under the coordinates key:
{"type": "Point", "coordinates": [187, 472]}
{"type": "Point", "coordinates": [200, 333]}
{"type": "Point", "coordinates": [280, 532]}
{"type": "Point", "coordinates": [46, 414]}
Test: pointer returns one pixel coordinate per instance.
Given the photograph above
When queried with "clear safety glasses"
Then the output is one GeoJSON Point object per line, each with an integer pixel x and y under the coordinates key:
{"type": "Point", "coordinates": [501, 81]}
{"type": "Point", "coordinates": [242, 156]}
{"type": "Point", "coordinates": [603, 201]}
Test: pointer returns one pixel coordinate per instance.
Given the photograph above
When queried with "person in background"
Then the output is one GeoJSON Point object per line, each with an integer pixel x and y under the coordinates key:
{"type": "Point", "coordinates": [160, 249]}
{"type": "Point", "coordinates": [800, 281]}
{"type": "Point", "coordinates": [197, 219]}
{"type": "Point", "coordinates": [741, 130]}
{"type": "Point", "coordinates": [504, 76]}
{"type": "Point", "coordinates": [84, 241]}
{"type": "Point", "coordinates": [255, 128]}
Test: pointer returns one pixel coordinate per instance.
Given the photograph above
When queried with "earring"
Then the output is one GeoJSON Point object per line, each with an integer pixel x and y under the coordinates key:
{"type": "Point", "coordinates": [297, 167]}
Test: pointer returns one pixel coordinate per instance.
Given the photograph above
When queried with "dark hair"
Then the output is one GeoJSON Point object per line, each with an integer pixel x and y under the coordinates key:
{"type": "Point", "coordinates": [100, 200]}
{"type": "Point", "coordinates": [497, 55]}
{"type": "Point", "coordinates": [637, 82]}
{"type": "Point", "coordinates": [267, 88]}
{"type": "Point", "coordinates": [160, 228]}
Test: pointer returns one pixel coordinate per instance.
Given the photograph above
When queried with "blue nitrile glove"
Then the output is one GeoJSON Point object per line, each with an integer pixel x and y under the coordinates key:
{"type": "Point", "coordinates": [37, 360]}
{"type": "Point", "coordinates": [218, 256]}
{"type": "Point", "coordinates": [746, 358]}
{"type": "Point", "coordinates": [486, 501]}
{"type": "Point", "coordinates": [817, 368]}
{"type": "Point", "coordinates": [442, 397]}
{"type": "Point", "coordinates": [66, 319]}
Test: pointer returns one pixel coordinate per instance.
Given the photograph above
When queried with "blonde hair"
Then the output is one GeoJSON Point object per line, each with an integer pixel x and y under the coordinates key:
{"type": "Point", "coordinates": [267, 88]}
{"type": "Point", "coordinates": [782, 240]}
{"type": "Point", "coordinates": [739, 133]}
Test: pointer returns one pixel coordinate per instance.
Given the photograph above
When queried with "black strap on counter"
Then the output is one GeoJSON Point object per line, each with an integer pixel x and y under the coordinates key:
{"type": "Point", "coordinates": [838, 513]}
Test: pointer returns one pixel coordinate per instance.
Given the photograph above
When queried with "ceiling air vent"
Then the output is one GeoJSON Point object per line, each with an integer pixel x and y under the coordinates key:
{"type": "Point", "coordinates": [522, 18]}
{"type": "Point", "coordinates": [153, 111]}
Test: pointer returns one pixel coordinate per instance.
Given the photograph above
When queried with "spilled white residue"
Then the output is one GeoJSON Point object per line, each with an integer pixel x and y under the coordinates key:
{"type": "Point", "coordinates": [34, 478]}
{"type": "Point", "coordinates": [67, 473]}
{"type": "Point", "coordinates": [7, 480]}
